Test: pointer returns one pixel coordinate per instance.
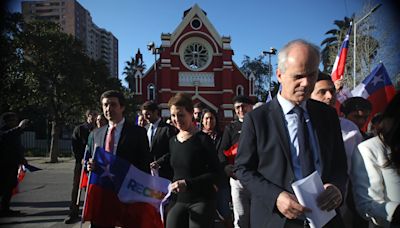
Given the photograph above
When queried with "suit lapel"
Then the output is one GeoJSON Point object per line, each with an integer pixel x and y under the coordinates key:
{"type": "Point", "coordinates": [122, 137]}
{"type": "Point", "coordinates": [278, 123]}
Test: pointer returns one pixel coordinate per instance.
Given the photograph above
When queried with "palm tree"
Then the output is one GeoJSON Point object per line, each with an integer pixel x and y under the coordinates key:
{"type": "Point", "coordinates": [130, 70]}
{"type": "Point", "coordinates": [367, 47]}
{"type": "Point", "coordinates": [332, 44]}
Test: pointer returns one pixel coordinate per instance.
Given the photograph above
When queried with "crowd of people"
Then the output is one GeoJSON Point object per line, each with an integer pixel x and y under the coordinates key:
{"type": "Point", "coordinates": [242, 173]}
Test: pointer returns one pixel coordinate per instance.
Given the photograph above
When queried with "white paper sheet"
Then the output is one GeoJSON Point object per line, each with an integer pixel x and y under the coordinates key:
{"type": "Point", "coordinates": [307, 191]}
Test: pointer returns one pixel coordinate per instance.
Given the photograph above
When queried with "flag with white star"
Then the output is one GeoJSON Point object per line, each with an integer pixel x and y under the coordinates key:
{"type": "Point", "coordinates": [377, 88]}
{"type": "Point", "coordinates": [119, 194]}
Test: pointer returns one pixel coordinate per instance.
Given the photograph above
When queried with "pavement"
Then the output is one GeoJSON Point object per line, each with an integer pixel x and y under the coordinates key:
{"type": "Point", "coordinates": [44, 196]}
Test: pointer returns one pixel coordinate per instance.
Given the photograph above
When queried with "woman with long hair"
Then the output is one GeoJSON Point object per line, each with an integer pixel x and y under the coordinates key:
{"type": "Point", "coordinates": [376, 171]}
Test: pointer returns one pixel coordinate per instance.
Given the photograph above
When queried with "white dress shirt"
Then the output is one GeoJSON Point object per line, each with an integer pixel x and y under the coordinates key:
{"type": "Point", "coordinates": [291, 124]}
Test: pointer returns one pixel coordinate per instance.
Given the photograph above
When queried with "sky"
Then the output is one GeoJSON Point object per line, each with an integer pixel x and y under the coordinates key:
{"type": "Point", "coordinates": [254, 26]}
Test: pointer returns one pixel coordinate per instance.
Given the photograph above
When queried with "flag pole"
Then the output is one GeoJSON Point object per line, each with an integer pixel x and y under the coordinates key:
{"type": "Point", "coordinates": [86, 194]}
{"type": "Point", "coordinates": [78, 198]}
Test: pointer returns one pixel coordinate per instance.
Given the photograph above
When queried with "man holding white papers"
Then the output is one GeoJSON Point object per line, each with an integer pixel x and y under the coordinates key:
{"type": "Point", "coordinates": [288, 139]}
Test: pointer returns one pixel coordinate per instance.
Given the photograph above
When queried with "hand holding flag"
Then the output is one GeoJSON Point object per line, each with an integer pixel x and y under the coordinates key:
{"type": "Point", "coordinates": [119, 194]}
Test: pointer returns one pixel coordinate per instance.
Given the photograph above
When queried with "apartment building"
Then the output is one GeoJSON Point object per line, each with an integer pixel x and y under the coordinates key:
{"type": "Point", "coordinates": [76, 20]}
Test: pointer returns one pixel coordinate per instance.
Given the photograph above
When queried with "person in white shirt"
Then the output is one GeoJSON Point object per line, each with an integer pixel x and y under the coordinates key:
{"type": "Point", "coordinates": [376, 171]}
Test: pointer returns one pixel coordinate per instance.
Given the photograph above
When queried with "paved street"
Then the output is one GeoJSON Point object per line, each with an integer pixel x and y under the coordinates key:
{"type": "Point", "coordinates": [44, 196]}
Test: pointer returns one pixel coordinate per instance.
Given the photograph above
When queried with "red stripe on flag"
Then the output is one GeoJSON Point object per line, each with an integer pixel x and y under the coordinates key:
{"type": "Point", "coordinates": [84, 180]}
{"type": "Point", "coordinates": [103, 208]}
{"type": "Point", "coordinates": [379, 100]}
{"type": "Point", "coordinates": [20, 177]}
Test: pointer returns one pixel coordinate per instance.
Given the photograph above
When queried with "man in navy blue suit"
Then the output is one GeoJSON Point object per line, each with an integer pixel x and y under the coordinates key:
{"type": "Point", "coordinates": [286, 140]}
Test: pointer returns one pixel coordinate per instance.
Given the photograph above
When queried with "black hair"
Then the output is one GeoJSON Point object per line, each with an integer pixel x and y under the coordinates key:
{"type": "Point", "coordinates": [323, 76]}
{"type": "Point", "coordinates": [150, 106]}
{"type": "Point", "coordinates": [113, 93]}
{"type": "Point", "coordinates": [199, 105]}
{"type": "Point", "coordinates": [355, 104]}
{"type": "Point", "coordinates": [242, 99]}
{"type": "Point", "coordinates": [389, 131]}
{"type": "Point", "coordinates": [214, 113]}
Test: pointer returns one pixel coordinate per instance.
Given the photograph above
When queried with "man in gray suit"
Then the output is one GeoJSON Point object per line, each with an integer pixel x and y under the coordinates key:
{"type": "Point", "coordinates": [286, 140]}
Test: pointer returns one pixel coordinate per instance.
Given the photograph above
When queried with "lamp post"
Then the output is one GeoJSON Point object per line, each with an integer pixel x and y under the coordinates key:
{"type": "Point", "coordinates": [272, 51]}
{"type": "Point", "coordinates": [154, 50]}
{"type": "Point", "coordinates": [355, 41]}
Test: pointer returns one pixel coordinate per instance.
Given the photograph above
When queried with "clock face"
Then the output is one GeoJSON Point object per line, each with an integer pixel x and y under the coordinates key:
{"type": "Point", "coordinates": [196, 56]}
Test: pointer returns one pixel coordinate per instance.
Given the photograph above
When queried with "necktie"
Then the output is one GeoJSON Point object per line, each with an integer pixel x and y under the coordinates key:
{"type": "Point", "coordinates": [109, 147]}
{"type": "Point", "coordinates": [305, 154]}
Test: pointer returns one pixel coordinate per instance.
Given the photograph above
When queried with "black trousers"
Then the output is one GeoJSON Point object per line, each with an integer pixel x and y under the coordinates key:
{"type": "Point", "coordinates": [8, 181]}
{"type": "Point", "coordinates": [73, 208]}
{"type": "Point", "coordinates": [192, 215]}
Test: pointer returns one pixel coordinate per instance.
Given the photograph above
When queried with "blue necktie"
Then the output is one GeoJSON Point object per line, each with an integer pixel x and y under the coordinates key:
{"type": "Point", "coordinates": [305, 154]}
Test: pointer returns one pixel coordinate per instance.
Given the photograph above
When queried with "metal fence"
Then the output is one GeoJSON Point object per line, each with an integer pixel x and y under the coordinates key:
{"type": "Point", "coordinates": [40, 147]}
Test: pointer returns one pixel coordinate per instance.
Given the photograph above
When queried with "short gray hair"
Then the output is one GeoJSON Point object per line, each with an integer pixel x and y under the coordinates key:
{"type": "Point", "coordinates": [283, 53]}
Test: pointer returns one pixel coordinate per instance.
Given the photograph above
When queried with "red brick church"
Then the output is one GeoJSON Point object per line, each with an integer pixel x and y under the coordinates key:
{"type": "Point", "coordinates": [196, 60]}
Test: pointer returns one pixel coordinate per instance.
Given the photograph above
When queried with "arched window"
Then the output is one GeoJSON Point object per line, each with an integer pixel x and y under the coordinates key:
{"type": "Point", "coordinates": [252, 79]}
{"type": "Point", "coordinates": [151, 92]}
{"type": "Point", "coordinates": [239, 90]}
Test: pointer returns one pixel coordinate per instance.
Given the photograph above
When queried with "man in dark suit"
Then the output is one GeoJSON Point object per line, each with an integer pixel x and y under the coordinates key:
{"type": "Point", "coordinates": [79, 140]}
{"type": "Point", "coordinates": [286, 140]}
{"type": "Point", "coordinates": [158, 134]}
{"type": "Point", "coordinates": [11, 156]}
{"type": "Point", "coordinates": [119, 137]}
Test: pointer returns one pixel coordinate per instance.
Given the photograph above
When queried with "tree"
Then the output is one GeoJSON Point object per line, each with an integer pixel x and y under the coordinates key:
{"type": "Point", "coordinates": [130, 70]}
{"type": "Point", "coordinates": [332, 44]}
{"type": "Point", "coordinates": [367, 47]}
{"type": "Point", "coordinates": [261, 71]}
{"type": "Point", "coordinates": [52, 74]}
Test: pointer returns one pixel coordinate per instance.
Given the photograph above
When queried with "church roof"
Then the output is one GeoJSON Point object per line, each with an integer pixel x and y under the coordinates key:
{"type": "Point", "coordinates": [202, 15]}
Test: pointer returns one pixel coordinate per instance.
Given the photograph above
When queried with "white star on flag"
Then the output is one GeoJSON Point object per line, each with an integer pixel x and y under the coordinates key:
{"type": "Point", "coordinates": [107, 172]}
{"type": "Point", "coordinates": [377, 79]}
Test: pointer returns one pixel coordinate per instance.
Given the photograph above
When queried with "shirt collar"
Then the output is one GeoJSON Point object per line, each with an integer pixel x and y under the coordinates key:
{"type": "Point", "coordinates": [287, 106]}
{"type": "Point", "coordinates": [119, 124]}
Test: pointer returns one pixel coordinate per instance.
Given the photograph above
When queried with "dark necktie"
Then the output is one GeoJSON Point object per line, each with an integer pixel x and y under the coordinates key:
{"type": "Point", "coordinates": [305, 154]}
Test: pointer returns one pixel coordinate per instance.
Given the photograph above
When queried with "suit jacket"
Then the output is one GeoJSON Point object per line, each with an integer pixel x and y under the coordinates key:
{"type": "Point", "coordinates": [160, 146]}
{"type": "Point", "coordinates": [79, 140]}
{"type": "Point", "coordinates": [132, 146]}
{"type": "Point", "coordinates": [11, 149]}
{"type": "Point", "coordinates": [263, 163]}
{"type": "Point", "coordinates": [229, 137]}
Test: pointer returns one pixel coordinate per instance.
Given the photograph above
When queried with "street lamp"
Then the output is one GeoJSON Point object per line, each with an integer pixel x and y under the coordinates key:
{"type": "Point", "coordinates": [355, 41]}
{"type": "Point", "coordinates": [154, 50]}
{"type": "Point", "coordinates": [272, 51]}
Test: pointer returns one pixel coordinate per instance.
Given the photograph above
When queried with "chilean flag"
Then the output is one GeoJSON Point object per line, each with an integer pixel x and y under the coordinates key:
{"type": "Point", "coordinates": [119, 194]}
{"type": "Point", "coordinates": [340, 61]}
{"type": "Point", "coordinates": [21, 175]}
{"type": "Point", "coordinates": [377, 88]}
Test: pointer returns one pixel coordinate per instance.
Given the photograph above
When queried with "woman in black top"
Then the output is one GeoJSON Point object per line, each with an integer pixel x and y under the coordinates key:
{"type": "Point", "coordinates": [194, 161]}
